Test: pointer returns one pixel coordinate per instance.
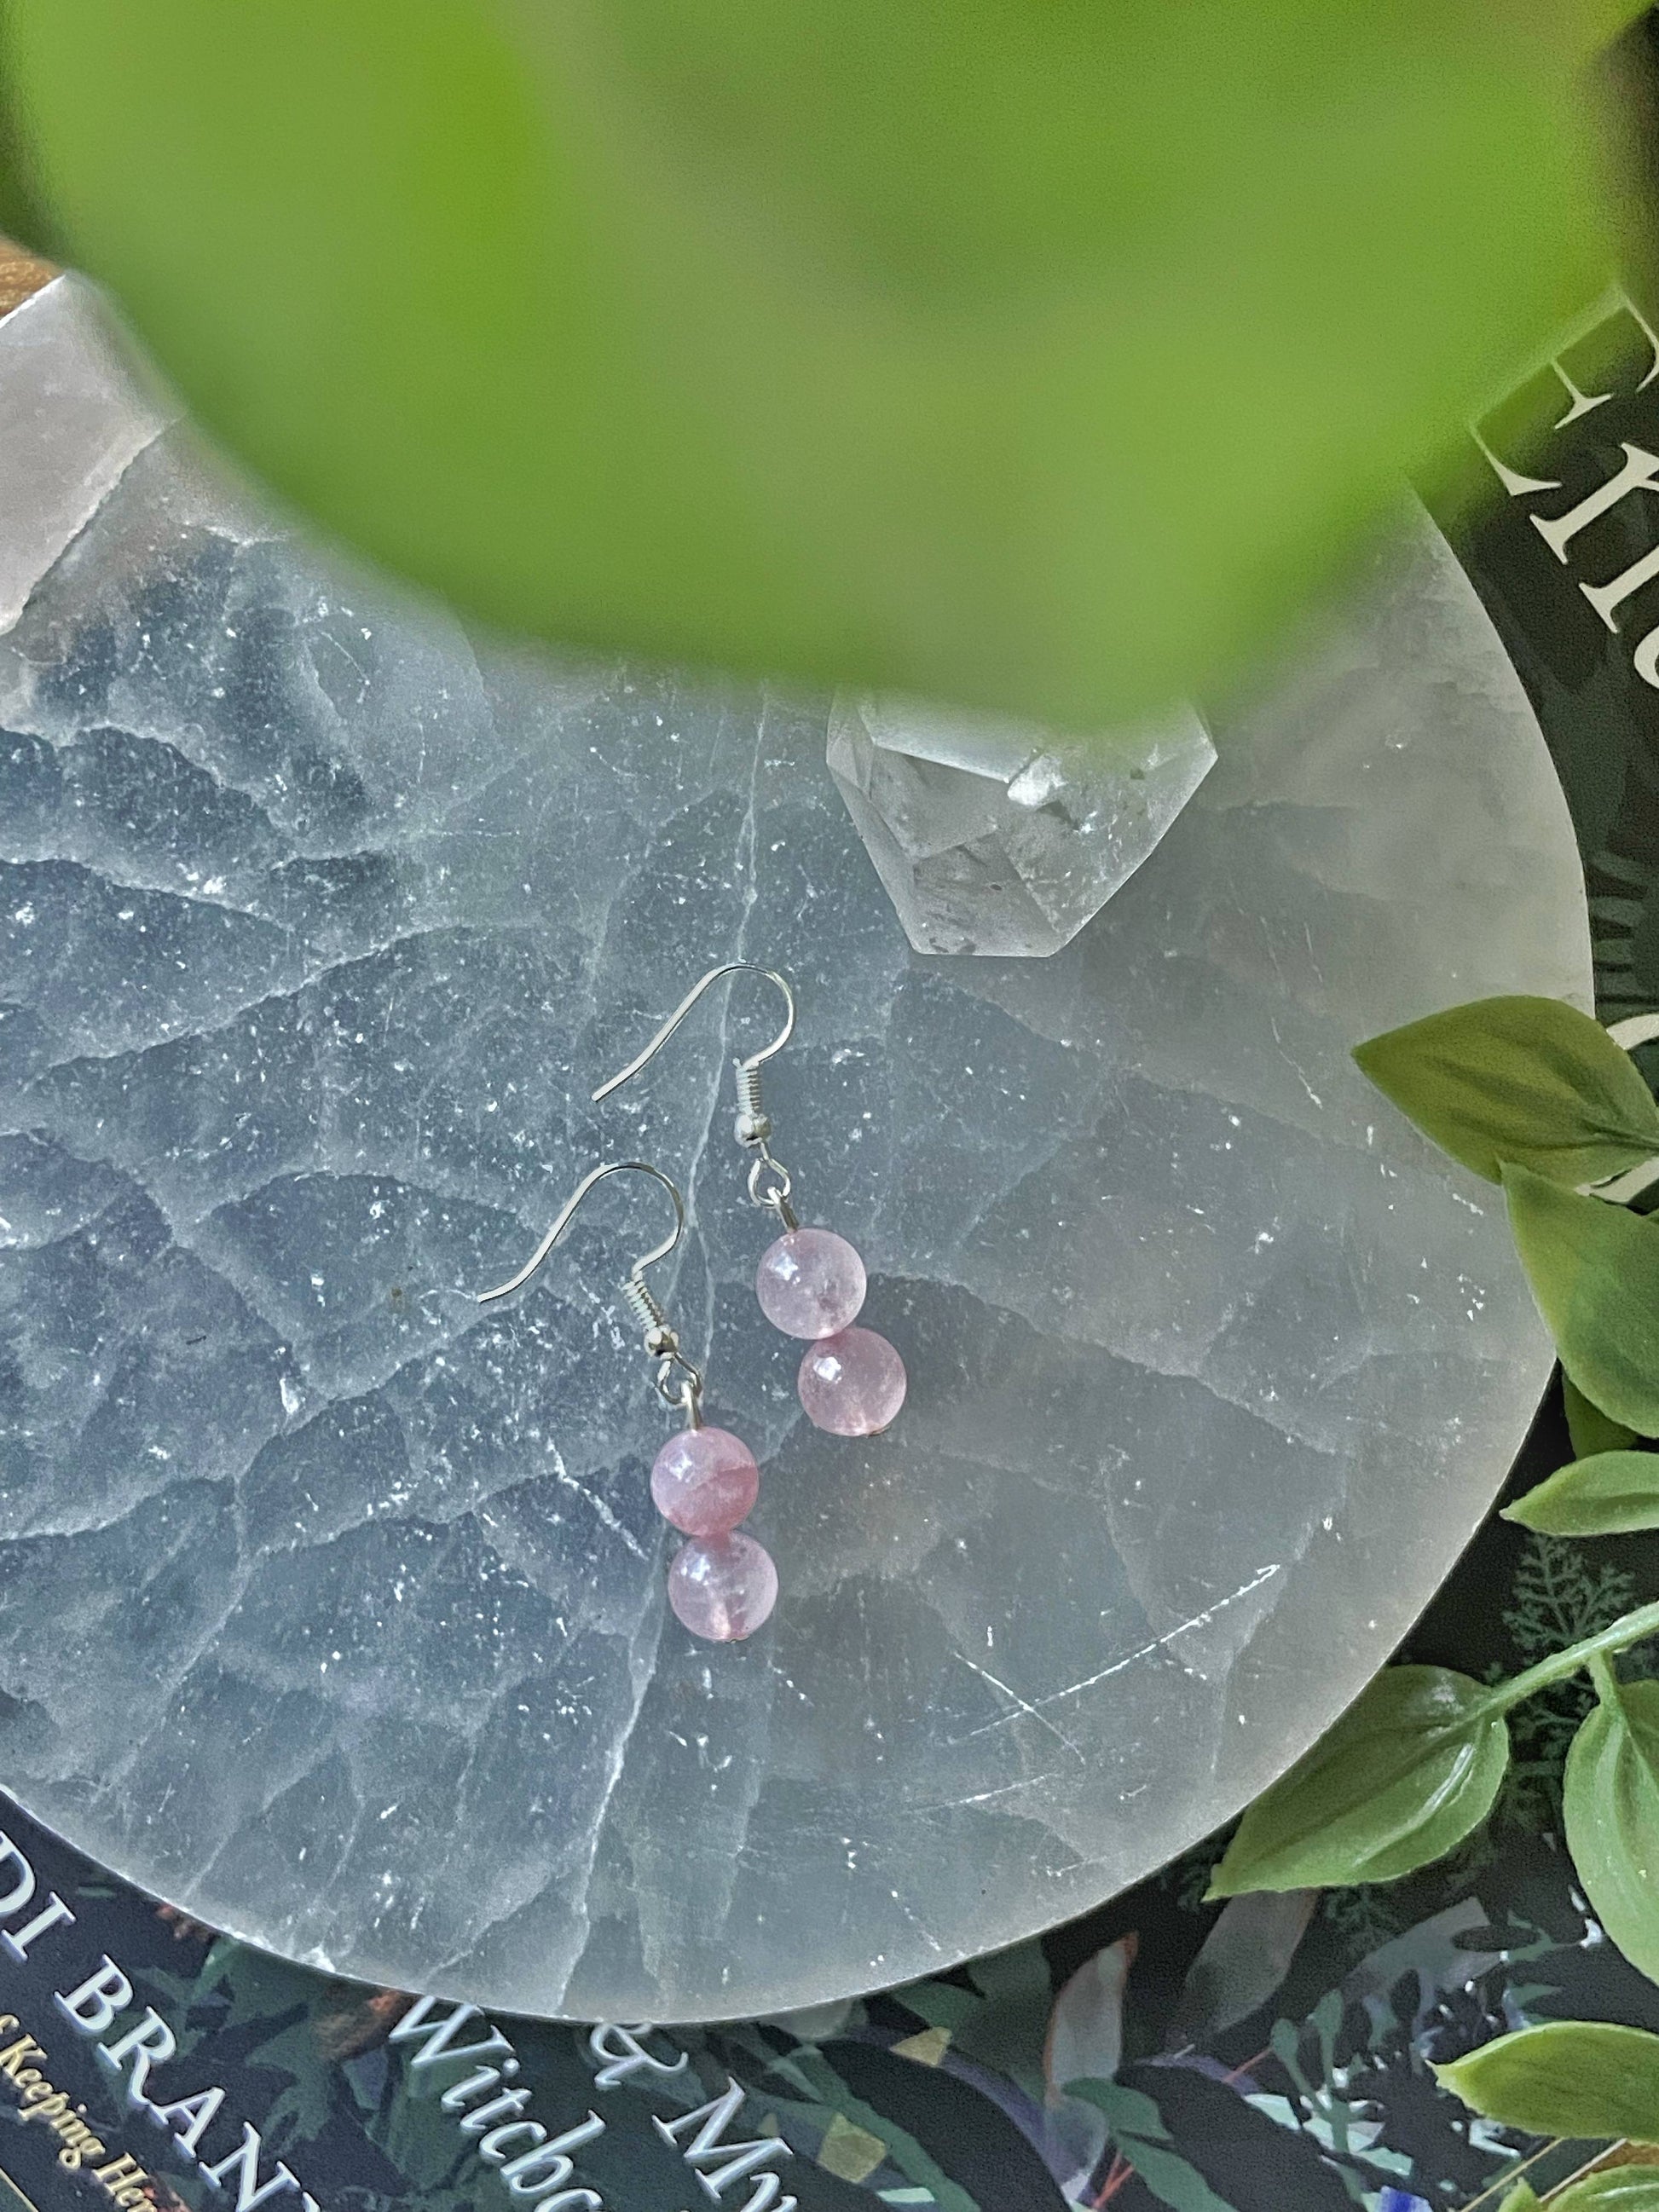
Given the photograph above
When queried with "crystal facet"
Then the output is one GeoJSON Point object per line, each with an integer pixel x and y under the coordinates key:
{"type": "Point", "coordinates": [723, 1589]}
{"type": "Point", "coordinates": [852, 1384]}
{"type": "Point", "coordinates": [810, 1283]}
{"type": "Point", "coordinates": [704, 1480]}
{"type": "Point", "coordinates": [1000, 838]}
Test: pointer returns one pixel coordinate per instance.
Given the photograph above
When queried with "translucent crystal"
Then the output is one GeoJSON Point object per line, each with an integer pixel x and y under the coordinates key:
{"type": "Point", "coordinates": [995, 837]}
{"type": "Point", "coordinates": [704, 1481]}
{"type": "Point", "coordinates": [723, 1588]}
{"type": "Point", "coordinates": [810, 1283]}
{"type": "Point", "coordinates": [852, 1384]}
{"type": "Point", "coordinates": [334, 1608]}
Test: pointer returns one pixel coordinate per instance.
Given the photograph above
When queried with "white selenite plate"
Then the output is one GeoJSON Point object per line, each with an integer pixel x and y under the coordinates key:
{"type": "Point", "coordinates": [333, 1606]}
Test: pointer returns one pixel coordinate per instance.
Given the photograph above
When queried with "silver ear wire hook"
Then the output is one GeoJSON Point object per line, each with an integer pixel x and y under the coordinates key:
{"type": "Point", "coordinates": [769, 1181]}
{"type": "Point", "coordinates": [748, 1067]}
{"type": "Point", "coordinates": [661, 1339]}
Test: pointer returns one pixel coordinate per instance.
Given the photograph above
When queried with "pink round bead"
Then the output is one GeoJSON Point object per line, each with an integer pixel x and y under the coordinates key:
{"type": "Point", "coordinates": [723, 1588]}
{"type": "Point", "coordinates": [704, 1480]}
{"type": "Point", "coordinates": [852, 1384]}
{"type": "Point", "coordinates": [810, 1283]}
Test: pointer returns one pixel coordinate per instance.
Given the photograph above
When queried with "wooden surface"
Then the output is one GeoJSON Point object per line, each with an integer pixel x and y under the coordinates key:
{"type": "Point", "coordinates": [21, 275]}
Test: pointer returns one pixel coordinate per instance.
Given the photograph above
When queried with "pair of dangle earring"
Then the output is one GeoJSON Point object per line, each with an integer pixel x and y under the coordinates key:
{"type": "Point", "coordinates": [810, 1282]}
{"type": "Point", "coordinates": [722, 1584]}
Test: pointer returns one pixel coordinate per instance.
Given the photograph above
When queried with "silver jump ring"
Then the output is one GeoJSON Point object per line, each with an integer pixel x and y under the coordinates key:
{"type": "Point", "coordinates": [770, 1185]}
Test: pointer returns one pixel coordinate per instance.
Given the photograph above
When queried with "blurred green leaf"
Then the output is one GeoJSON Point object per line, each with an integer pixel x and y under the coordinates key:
{"type": "Point", "coordinates": [1592, 1430]}
{"type": "Point", "coordinates": [1616, 2189]}
{"type": "Point", "coordinates": [1594, 1271]}
{"type": "Point", "coordinates": [1520, 2198]}
{"type": "Point", "coordinates": [1406, 1772]}
{"type": "Point", "coordinates": [1041, 358]}
{"type": "Point", "coordinates": [1566, 2078]}
{"type": "Point", "coordinates": [1613, 1494]}
{"type": "Point", "coordinates": [1610, 1800]}
{"type": "Point", "coordinates": [1519, 1078]}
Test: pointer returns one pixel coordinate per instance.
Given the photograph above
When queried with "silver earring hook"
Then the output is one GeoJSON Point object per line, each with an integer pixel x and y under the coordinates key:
{"type": "Point", "coordinates": [769, 1181]}
{"type": "Point", "coordinates": [567, 1211]}
{"type": "Point", "coordinates": [704, 982]}
{"type": "Point", "coordinates": [685, 1393]}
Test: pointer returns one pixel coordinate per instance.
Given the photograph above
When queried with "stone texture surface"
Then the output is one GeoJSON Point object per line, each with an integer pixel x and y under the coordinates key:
{"type": "Point", "coordinates": [333, 1608]}
{"type": "Point", "coordinates": [998, 837]}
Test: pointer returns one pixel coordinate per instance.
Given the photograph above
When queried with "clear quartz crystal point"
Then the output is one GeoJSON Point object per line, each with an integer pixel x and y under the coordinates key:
{"type": "Point", "coordinates": [1001, 837]}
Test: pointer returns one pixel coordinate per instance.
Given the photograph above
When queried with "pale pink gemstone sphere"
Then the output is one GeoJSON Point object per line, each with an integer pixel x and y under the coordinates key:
{"type": "Point", "coordinates": [852, 1384]}
{"type": "Point", "coordinates": [722, 1588]}
{"type": "Point", "coordinates": [704, 1480]}
{"type": "Point", "coordinates": [810, 1283]}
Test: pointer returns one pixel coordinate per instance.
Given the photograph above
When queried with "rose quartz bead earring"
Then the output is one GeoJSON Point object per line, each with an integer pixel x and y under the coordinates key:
{"type": "Point", "coordinates": [722, 1584]}
{"type": "Point", "coordinates": [810, 1282]}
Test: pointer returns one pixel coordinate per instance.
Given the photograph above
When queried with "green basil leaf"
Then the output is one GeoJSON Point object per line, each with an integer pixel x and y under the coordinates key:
{"type": "Point", "coordinates": [1615, 2188]}
{"type": "Point", "coordinates": [1405, 1774]}
{"type": "Point", "coordinates": [1594, 1271]}
{"type": "Point", "coordinates": [1527, 1080]}
{"type": "Point", "coordinates": [1520, 2198]}
{"type": "Point", "coordinates": [1610, 1802]}
{"type": "Point", "coordinates": [1591, 1430]}
{"type": "Point", "coordinates": [1611, 1495]}
{"type": "Point", "coordinates": [1569, 2077]}
{"type": "Point", "coordinates": [1042, 357]}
